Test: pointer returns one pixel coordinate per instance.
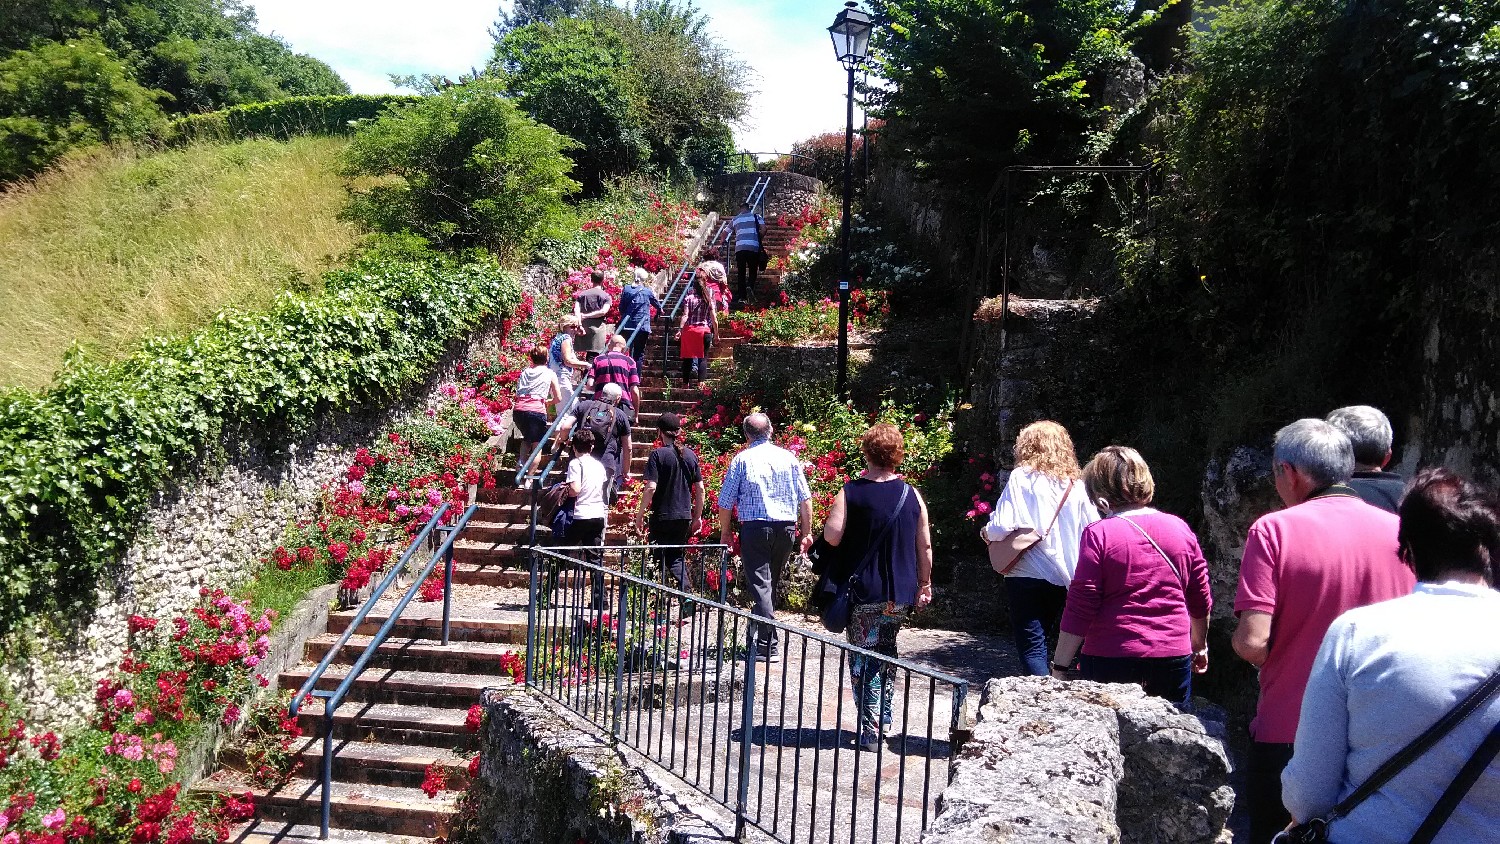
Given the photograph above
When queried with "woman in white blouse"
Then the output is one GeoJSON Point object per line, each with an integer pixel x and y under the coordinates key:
{"type": "Point", "coordinates": [1045, 482]}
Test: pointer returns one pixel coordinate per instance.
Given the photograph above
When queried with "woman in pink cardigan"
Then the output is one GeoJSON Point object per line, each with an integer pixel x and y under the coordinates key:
{"type": "Point", "coordinates": [1138, 605]}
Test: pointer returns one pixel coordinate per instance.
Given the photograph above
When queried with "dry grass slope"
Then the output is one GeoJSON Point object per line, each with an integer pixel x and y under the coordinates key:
{"type": "Point", "coordinates": [109, 248]}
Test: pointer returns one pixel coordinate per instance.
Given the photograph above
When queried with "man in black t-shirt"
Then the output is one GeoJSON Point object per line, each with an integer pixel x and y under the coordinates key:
{"type": "Point", "coordinates": [673, 498]}
{"type": "Point", "coordinates": [611, 429]}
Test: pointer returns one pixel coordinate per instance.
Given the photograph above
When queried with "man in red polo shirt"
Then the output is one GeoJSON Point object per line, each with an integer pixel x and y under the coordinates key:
{"type": "Point", "coordinates": [1304, 566]}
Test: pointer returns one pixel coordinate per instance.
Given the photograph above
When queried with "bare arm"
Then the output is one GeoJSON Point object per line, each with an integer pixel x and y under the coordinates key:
{"type": "Point", "coordinates": [924, 554]}
{"type": "Point", "coordinates": [804, 519]}
{"type": "Point", "coordinates": [695, 524]}
{"type": "Point", "coordinates": [556, 391]}
{"type": "Point", "coordinates": [645, 505]}
{"type": "Point", "coordinates": [838, 514]}
{"type": "Point", "coordinates": [1068, 646]}
{"type": "Point", "coordinates": [1252, 638]}
{"type": "Point", "coordinates": [1200, 645]}
{"type": "Point", "coordinates": [571, 357]}
{"type": "Point", "coordinates": [726, 524]}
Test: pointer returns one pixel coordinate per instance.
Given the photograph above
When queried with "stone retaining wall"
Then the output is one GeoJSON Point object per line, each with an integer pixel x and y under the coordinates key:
{"type": "Point", "coordinates": [1085, 762]}
{"type": "Point", "coordinates": [545, 778]}
{"type": "Point", "coordinates": [788, 193]}
{"type": "Point", "coordinates": [209, 531]}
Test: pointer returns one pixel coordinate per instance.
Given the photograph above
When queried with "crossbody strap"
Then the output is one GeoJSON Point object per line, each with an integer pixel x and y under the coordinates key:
{"type": "Point", "coordinates": [1058, 512]}
{"type": "Point", "coordinates": [1164, 555]}
{"type": "Point", "coordinates": [1418, 746]}
{"type": "Point", "coordinates": [1454, 794]}
{"type": "Point", "coordinates": [885, 530]}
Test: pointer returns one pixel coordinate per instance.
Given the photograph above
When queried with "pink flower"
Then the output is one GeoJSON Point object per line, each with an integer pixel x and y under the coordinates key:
{"type": "Point", "coordinates": [357, 488]}
{"type": "Point", "coordinates": [144, 716]}
{"type": "Point", "coordinates": [231, 715]}
{"type": "Point", "coordinates": [392, 495]}
{"type": "Point", "coordinates": [251, 661]}
{"type": "Point", "coordinates": [124, 699]}
{"type": "Point", "coordinates": [54, 819]}
{"type": "Point", "coordinates": [11, 838]}
{"type": "Point", "coordinates": [982, 507]}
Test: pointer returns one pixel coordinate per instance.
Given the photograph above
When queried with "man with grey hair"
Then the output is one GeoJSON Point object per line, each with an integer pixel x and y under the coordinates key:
{"type": "Point", "coordinates": [1370, 433]}
{"type": "Point", "coordinates": [1304, 566]}
{"type": "Point", "coordinates": [766, 488]}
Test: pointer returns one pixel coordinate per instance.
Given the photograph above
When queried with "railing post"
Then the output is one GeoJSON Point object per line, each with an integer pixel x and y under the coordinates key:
{"type": "Point", "coordinates": [747, 720]}
{"type": "Point", "coordinates": [536, 560]}
{"type": "Point", "coordinates": [623, 606]}
{"type": "Point", "coordinates": [536, 500]}
{"type": "Point", "coordinates": [327, 808]}
{"type": "Point", "coordinates": [448, 583]}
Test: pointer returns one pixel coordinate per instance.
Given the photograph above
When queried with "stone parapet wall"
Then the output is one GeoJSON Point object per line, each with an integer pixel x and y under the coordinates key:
{"type": "Point", "coordinates": [788, 193]}
{"type": "Point", "coordinates": [544, 777]}
{"type": "Point", "coordinates": [1085, 762]}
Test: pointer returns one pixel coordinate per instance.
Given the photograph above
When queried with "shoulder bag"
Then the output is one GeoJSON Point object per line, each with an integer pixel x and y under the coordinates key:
{"type": "Point", "coordinates": [1005, 552]}
{"type": "Point", "coordinates": [838, 612]}
{"type": "Point", "coordinates": [1315, 831]}
{"type": "Point", "coordinates": [1181, 578]}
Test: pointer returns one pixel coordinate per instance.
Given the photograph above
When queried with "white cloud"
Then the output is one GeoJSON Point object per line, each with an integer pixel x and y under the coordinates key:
{"type": "Point", "coordinates": [799, 85]}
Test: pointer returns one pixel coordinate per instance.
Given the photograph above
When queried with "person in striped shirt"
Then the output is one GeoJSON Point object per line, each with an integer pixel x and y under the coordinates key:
{"type": "Point", "coordinates": [748, 228]}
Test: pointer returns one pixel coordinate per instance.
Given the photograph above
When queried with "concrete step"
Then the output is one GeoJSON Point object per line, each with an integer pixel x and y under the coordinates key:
{"type": "Point", "coordinates": [382, 764]}
{"type": "Point", "coordinates": [283, 832]}
{"type": "Point", "coordinates": [392, 810]}
{"type": "Point", "coordinates": [461, 629]}
{"type": "Point", "coordinates": [420, 726]}
{"type": "Point", "coordinates": [415, 688]}
{"type": "Point", "coordinates": [413, 653]}
{"type": "Point", "coordinates": [498, 532]}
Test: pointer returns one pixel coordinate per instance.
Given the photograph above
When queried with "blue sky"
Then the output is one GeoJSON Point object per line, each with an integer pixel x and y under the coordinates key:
{"type": "Point", "coordinates": [799, 85]}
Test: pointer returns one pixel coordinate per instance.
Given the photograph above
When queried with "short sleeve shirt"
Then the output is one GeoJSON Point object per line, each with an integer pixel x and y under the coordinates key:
{"type": "Point", "coordinates": [674, 481]}
{"type": "Point", "coordinates": [599, 416]}
{"type": "Point", "coordinates": [590, 476]}
{"type": "Point", "coordinates": [764, 482]}
{"type": "Point", "coordinates": [592, 299]}
{"type": "Point", "coordinates": [747, 232]}
{"type": "Point", "coordinates": [1307, 565]}
{"type": "Point", "coordinates": [615, 368]}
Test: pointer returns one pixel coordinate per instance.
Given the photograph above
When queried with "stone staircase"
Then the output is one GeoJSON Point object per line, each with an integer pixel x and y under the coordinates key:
{"type": "Point", "coordinates": [407, 711]}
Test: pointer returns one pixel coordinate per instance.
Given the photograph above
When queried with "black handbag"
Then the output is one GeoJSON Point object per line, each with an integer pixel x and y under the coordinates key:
{"type": "Point", "coordinates": [840, 609]}
{"type": "Point", "coordinates": [1315, 831]}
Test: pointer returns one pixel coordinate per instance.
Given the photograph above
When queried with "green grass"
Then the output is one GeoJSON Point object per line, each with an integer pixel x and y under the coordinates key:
{"type": "Point", "coordinates": [282, 590]}
{"type": "Point", "coordinates": [108, 248]}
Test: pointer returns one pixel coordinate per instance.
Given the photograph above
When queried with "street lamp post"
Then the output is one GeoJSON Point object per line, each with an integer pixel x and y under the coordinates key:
{"type": "Point", "coordinates": [851, 43]}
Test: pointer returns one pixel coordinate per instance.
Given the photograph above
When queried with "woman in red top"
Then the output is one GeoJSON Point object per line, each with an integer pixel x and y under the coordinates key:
{"type": "Point", "coordinates": [1138, 605]}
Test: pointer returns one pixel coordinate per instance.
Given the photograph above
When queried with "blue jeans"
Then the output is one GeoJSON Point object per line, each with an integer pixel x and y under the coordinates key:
{"type": "Point", "coordinates": [1035, 608]}
{"type": "Point", "coordinates": [1169, 677]}
{"type": "Point", "coordinates": [874, 682]}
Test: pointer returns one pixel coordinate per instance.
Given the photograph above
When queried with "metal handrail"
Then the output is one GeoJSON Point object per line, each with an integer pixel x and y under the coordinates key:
{"type": "Point", "coordinates": [682, 674]}
{"type": "Point", "coordinates": [331, 700]}
{"type": "Point", "coordinates": [687, 277]}
{"type": "Point", "coordinates": [359, 617]}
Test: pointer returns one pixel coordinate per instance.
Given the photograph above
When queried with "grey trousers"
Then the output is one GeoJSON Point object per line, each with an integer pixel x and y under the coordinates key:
{"type": "Point", "coordinates": [765, 548]}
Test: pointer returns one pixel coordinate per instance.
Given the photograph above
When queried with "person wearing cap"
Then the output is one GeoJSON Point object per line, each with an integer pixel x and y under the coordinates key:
{"type": "Point", "coordinates": [671, 508]}
{"type": "Point", "coordinates": [610, 426]}
{"type": "Point", "coordinates": [617, 367]}
{"type": "Point", "coordinates": [636, 303]}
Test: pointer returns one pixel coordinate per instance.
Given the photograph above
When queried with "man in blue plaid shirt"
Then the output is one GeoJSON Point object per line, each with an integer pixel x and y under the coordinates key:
{"type": "Point", "coordinates": [768, 487]}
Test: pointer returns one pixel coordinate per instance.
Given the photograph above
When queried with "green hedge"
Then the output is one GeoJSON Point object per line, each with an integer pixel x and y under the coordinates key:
{"type": "Point", "coordinates": [81, 462]}
{"type": "Point", "coordinates": [282, 119]}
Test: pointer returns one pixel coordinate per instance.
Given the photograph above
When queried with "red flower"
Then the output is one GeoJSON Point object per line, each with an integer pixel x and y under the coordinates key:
{"type": "Point", "coordinates": [305, 554]}
{"type": "Point", "coordinates": [435, 781]}
{"type": "Point", "coordinates": [474, 719]}
{"type": "Point", "coordinates": [474, 766]}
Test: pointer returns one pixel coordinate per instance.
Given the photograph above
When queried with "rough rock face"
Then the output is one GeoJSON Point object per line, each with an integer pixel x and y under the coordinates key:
{"type": "Point", "coordinates": [1084, 762]}
{"type": "Point", "coordinates": [544, 778]}
{"type": "Point", "coordinates": [1236, 491]}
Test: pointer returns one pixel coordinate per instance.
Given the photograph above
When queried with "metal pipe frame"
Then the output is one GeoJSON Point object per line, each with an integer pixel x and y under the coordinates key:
{"type": "Point", "coordinates": [574, 614]}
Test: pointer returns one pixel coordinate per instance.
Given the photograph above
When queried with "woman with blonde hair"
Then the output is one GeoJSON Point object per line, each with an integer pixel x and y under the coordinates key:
{"type": "Point", "coordinates": [1138, 605]}
{"type": "Point", "coordinates": [563, 358]}
{"type": "Point", "coordinates": [1043, 494]}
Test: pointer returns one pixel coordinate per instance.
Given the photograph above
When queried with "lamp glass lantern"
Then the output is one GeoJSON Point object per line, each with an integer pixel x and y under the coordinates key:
{"type": "Point", "coordinates": [851, 35]}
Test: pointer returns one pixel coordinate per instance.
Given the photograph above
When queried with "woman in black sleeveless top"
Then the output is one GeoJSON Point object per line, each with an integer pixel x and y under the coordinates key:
{"type": "Point", "coordinates": [891, 551]}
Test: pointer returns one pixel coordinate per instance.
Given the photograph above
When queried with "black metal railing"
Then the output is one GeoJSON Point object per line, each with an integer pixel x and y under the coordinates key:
{"type": "Point", "coordinates": [664, 670]}
{"type": "Point", "coordinates": [333, 698]}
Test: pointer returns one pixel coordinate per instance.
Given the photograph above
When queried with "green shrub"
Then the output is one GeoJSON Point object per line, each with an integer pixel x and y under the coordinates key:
{"type": "Point", "coordinates": [463, 168]}
{"type": "Point", "coordinates": [81, 462]}
{"type": "Point", "coordinates": [60, 96]}
{"type": "Point", "coordinates": [282, 119]}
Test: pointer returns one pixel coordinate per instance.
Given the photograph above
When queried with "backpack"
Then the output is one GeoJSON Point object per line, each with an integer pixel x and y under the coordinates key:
{"type": "Point", "coordinates": [600, 418]}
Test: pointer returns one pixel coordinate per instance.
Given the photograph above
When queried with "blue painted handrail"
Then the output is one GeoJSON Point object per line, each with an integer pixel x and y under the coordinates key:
{"type": "Point", "coordinates": [331, 700]}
